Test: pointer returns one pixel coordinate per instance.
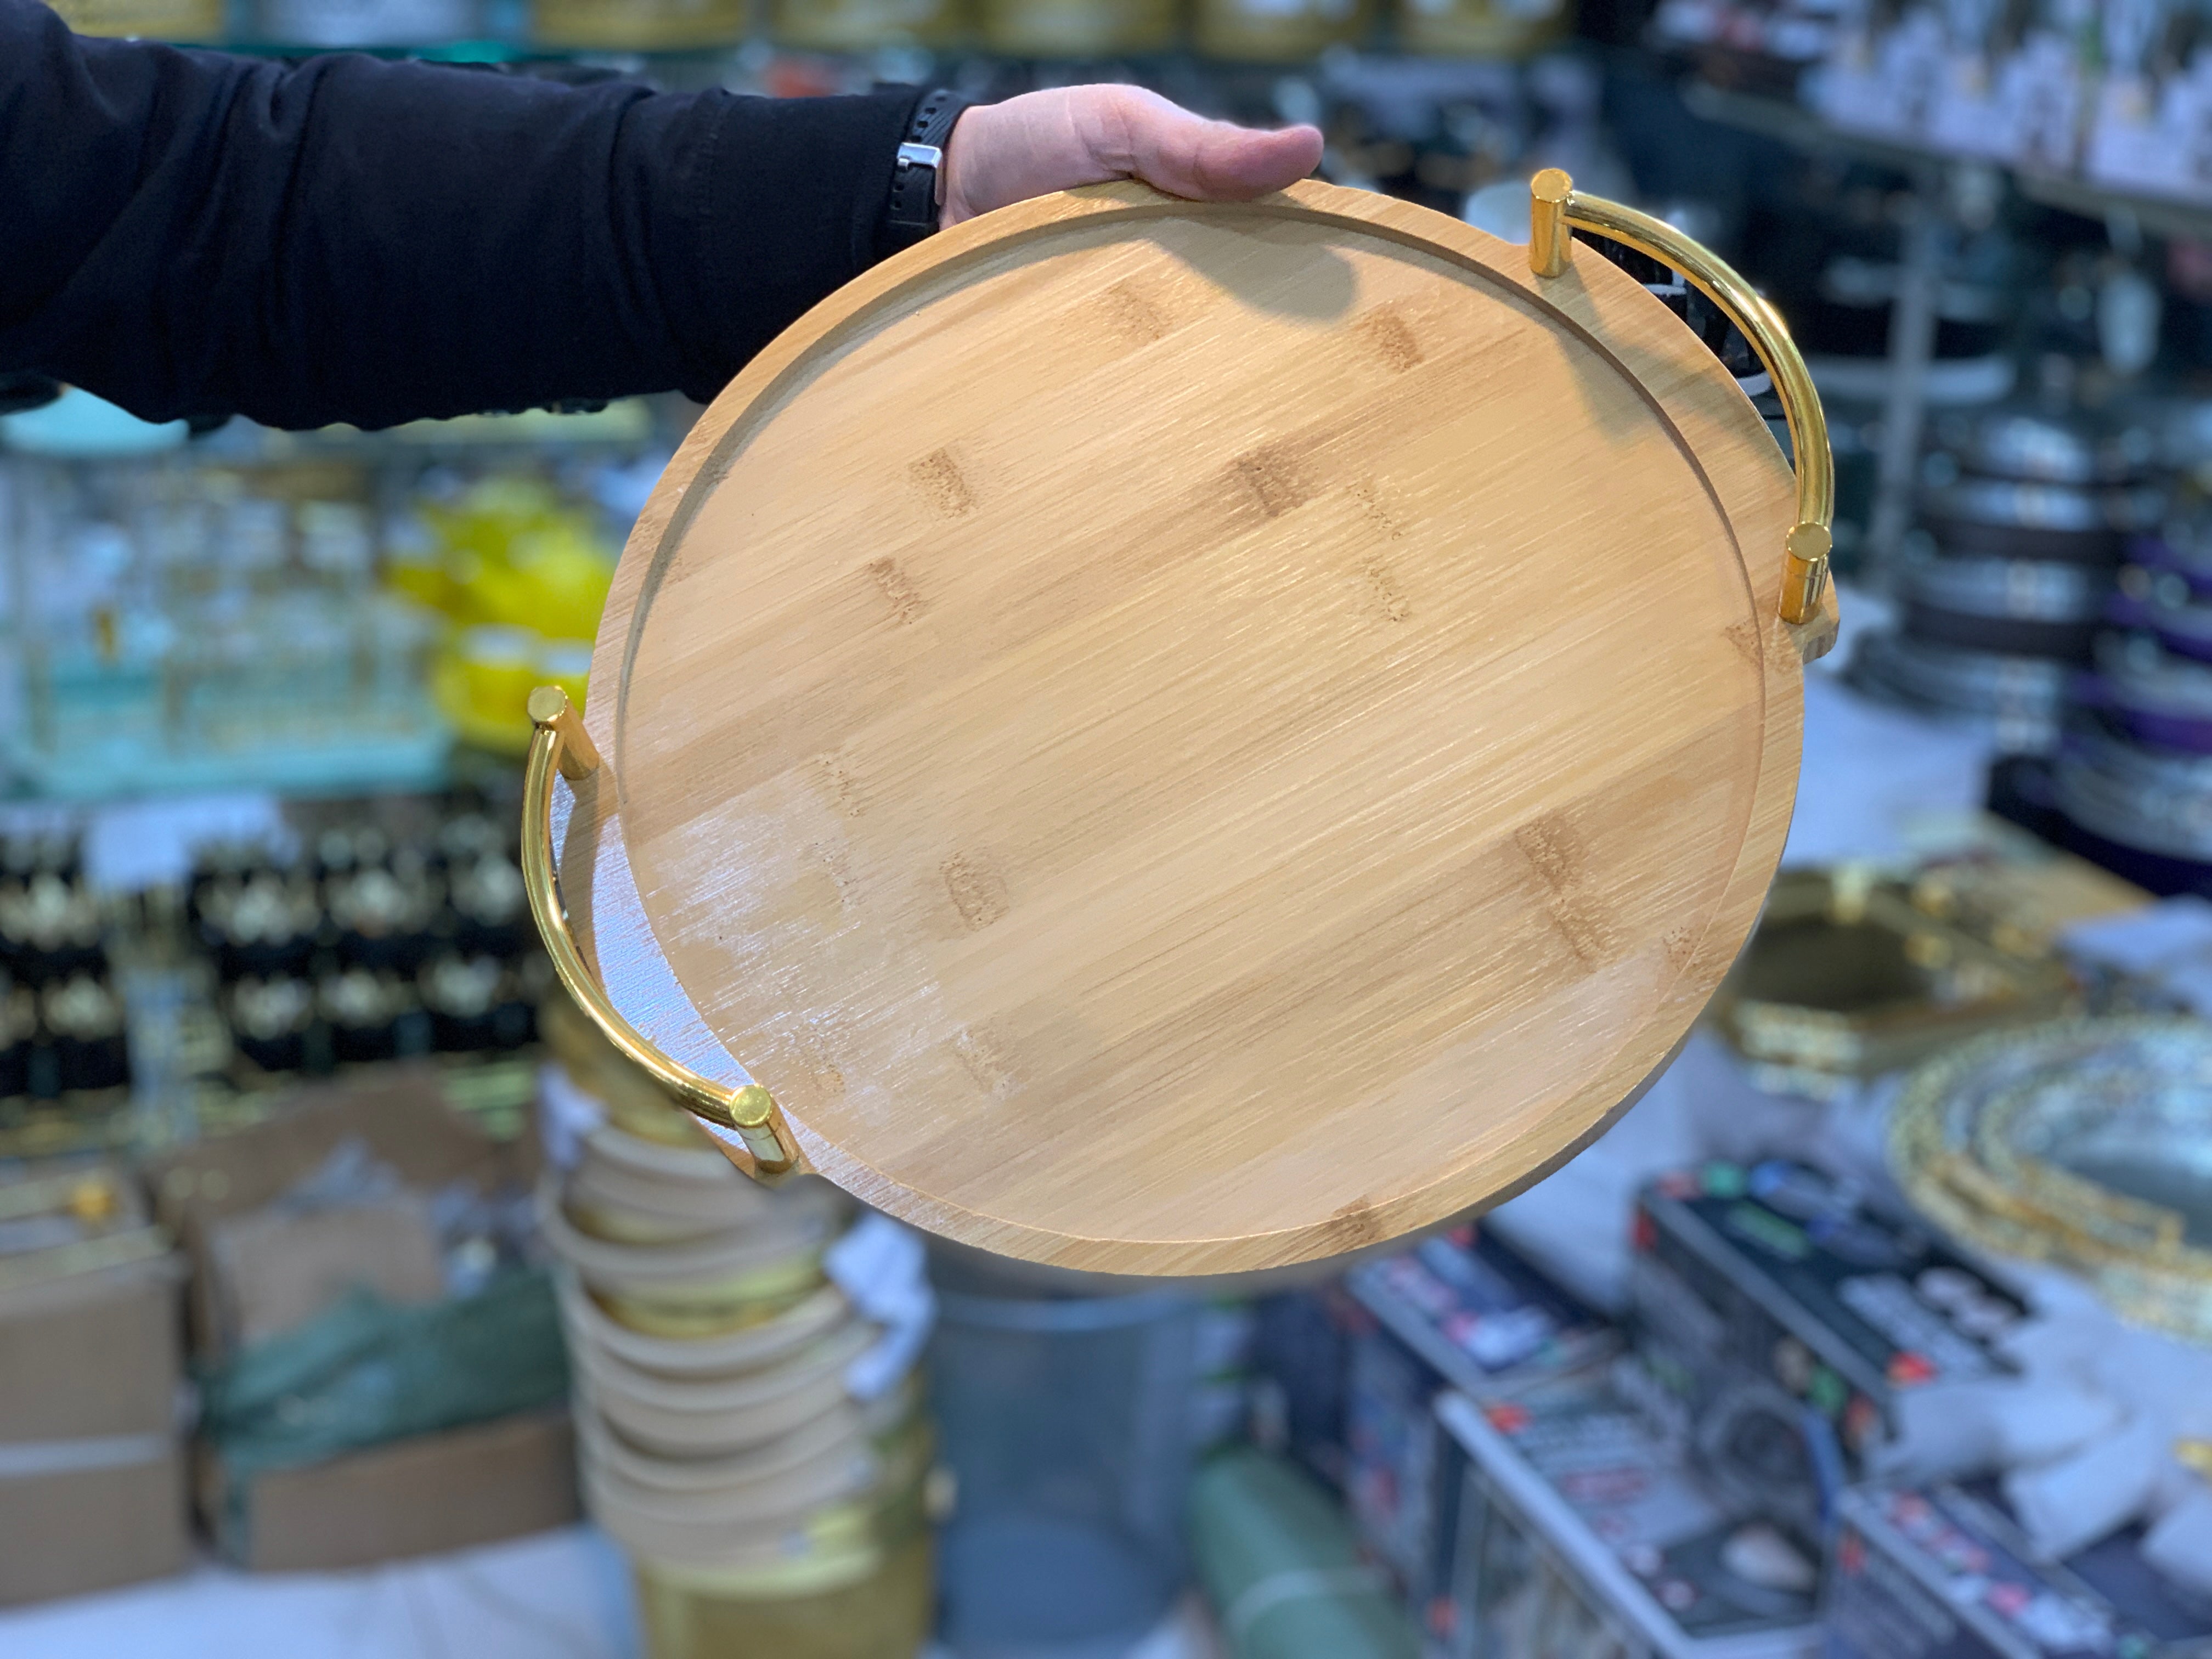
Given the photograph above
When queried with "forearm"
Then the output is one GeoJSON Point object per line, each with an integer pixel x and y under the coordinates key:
{"type": "Point", "coordinates": [355, 241]}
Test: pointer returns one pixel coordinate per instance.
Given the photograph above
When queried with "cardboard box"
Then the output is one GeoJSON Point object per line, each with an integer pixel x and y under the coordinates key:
{"type": "Point", "coordinates": [264, 1266]}
{"type": "Point", "coordinates": [401, 1117]}
{"type": "Point", "coordinates": [77, 1530]}
{"type": "Point", "coordinates": [275, 1269]}
{"type": "Point", "coordinates": [92, 1488]}
{"type": "Point", "coordinates": [416, 1496]}
{"type": "Point", "coordinates": [91, 1355]}
{"type": "Point", "coordinates": [1942, 1574]}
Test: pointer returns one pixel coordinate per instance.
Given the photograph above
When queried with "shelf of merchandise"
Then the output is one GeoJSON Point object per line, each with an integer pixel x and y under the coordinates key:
{"type": "Point", "coordinates": [1905, 401]}
{"type": "Point", "coordinates": [125, 756]}
{"type": "Point", "coordinates": [1806, 130]}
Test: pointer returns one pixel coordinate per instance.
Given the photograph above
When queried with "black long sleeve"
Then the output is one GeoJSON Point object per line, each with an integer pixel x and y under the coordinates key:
{"type": "Point", "coordinates": [188, 233]}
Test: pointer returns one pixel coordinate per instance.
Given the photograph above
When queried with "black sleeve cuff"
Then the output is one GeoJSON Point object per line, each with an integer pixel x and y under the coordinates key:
{"type": "Point", "coordinates": [791, 196]}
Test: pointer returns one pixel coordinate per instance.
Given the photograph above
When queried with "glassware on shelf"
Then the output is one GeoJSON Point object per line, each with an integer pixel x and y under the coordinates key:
{"type": "Point", "coordinates": [182, 623]}
{"type": "Point", "coordinates": [277, 612]}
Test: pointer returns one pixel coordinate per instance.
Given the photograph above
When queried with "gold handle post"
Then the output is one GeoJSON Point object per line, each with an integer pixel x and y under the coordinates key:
{"type": "Point", "coordinates": [747, 1123]}
{"type": "Point", "coordinates": [1557, 209]}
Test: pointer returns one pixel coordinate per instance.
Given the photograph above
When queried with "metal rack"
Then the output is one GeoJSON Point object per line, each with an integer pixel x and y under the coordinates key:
{"type": "Point", "coordinates": [1912, 329]}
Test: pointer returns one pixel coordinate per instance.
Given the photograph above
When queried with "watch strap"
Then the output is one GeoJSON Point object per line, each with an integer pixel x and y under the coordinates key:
{"type": "Point", "coordinates": [913, 210]}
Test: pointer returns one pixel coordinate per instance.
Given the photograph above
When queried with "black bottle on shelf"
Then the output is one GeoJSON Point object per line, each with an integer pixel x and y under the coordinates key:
{"type": "Point", "coordinates": [259, 922]}
{"type": "Point", "coordinates": [343, 850]}
{"type": "Point", "coordinates": [19, 1032]}
{"type": "Point", "coordinates": [48, 853]}
{"type": "Point", "coordinates": [468, 834]}
{"type": "Point", "coordinates": [366, 1010]}
{"type": "Point", "coordinates": [385, 913]}
{"type": "Point", "coordinates": [84, 1022]}
{"type": "Point", "coordinates": [491, 909]}
{"type": "Point", "coordinates": [476, 1005]}
{"type": "Point", "coordinates": [50, 928]}
{"type": "Point", "coordinates": [270, 1018]}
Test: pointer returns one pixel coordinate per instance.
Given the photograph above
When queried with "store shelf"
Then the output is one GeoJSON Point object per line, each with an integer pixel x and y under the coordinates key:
{"type": "Point", "coordinates": [1800, 129]}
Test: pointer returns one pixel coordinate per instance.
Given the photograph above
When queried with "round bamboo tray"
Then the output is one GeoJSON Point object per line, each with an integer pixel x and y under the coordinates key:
{"type": "Point", "coordinates": [1157, 738]}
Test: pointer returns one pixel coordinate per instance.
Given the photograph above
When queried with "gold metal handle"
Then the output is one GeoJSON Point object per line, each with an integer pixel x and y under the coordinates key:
{"type": "Point", "coordinates": [747, 1123]}
{"type": "Point", "coordinates": [1557, 208]}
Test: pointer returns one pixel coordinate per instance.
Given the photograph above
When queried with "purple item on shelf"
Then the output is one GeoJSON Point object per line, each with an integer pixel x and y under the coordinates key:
{"type": "Point", "coordinates": [2185, 627]}
{"type": "Point", "coordinates": [2143, 813]}
{"type": "Point", "coordinates": [2158, 697]}
{"type": "Point", "coordinates": [2178, 551]}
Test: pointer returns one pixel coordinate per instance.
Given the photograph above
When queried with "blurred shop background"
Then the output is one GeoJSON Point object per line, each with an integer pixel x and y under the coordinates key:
{"type": "Point", "coordinates": [344, 1272]}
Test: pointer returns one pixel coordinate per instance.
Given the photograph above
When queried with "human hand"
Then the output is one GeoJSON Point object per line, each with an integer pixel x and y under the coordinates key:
{"type": "Point", "coordinates": [1042, 141]}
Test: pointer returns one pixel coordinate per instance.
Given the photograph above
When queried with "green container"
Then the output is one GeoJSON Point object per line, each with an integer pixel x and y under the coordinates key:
{"type": "Point", "coordinates": [1276, 1558]}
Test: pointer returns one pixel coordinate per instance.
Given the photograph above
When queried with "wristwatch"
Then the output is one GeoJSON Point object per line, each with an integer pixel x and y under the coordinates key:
{"type": "Point", "coordinates": [913, 212]}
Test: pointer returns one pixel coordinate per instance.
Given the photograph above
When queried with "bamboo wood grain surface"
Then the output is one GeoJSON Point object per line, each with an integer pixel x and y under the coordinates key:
{"type": "Point", "coordinates": [1186, 738]}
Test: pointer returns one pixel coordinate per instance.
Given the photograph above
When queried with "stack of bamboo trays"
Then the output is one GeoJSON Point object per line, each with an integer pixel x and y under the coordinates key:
{"type": "Point", "coordinates": [752, 1436]}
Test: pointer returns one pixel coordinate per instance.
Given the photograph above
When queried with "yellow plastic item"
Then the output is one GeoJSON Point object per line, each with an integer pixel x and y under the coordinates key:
{"type": "Point", "coordinates": [553, 578]}
{"type": "Point", "coordinates": [514, 554]}
{"type": "Point", "coordinates": [496, 666]}
{"type": "Point", "coordinates": [522, 576]}
{"type": "Point", "coordinates": [419, 574]}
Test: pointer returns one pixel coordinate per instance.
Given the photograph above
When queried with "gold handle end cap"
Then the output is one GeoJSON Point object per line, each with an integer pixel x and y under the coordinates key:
{"type": "Point", "coordinates": [753, 1107]}
{"type": "Point", "coordinates": [1552, 186]}
{"type": "Point", "coordinates": [753, 1114]}
{"type": "Point", "coordinates": [551, 711]}
{"type": "Point", "coordinates": [1811, 542]}
{"type": "Point", "coordinates": [548, 703]}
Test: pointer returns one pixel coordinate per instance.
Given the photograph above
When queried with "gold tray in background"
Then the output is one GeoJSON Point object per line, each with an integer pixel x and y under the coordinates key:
{"type": "Point", "coordinates": [1848, 976]}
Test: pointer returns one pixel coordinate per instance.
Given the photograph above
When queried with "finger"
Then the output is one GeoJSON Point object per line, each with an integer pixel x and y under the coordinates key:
{"type": "Point", "coordinates": [1143, 136]}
